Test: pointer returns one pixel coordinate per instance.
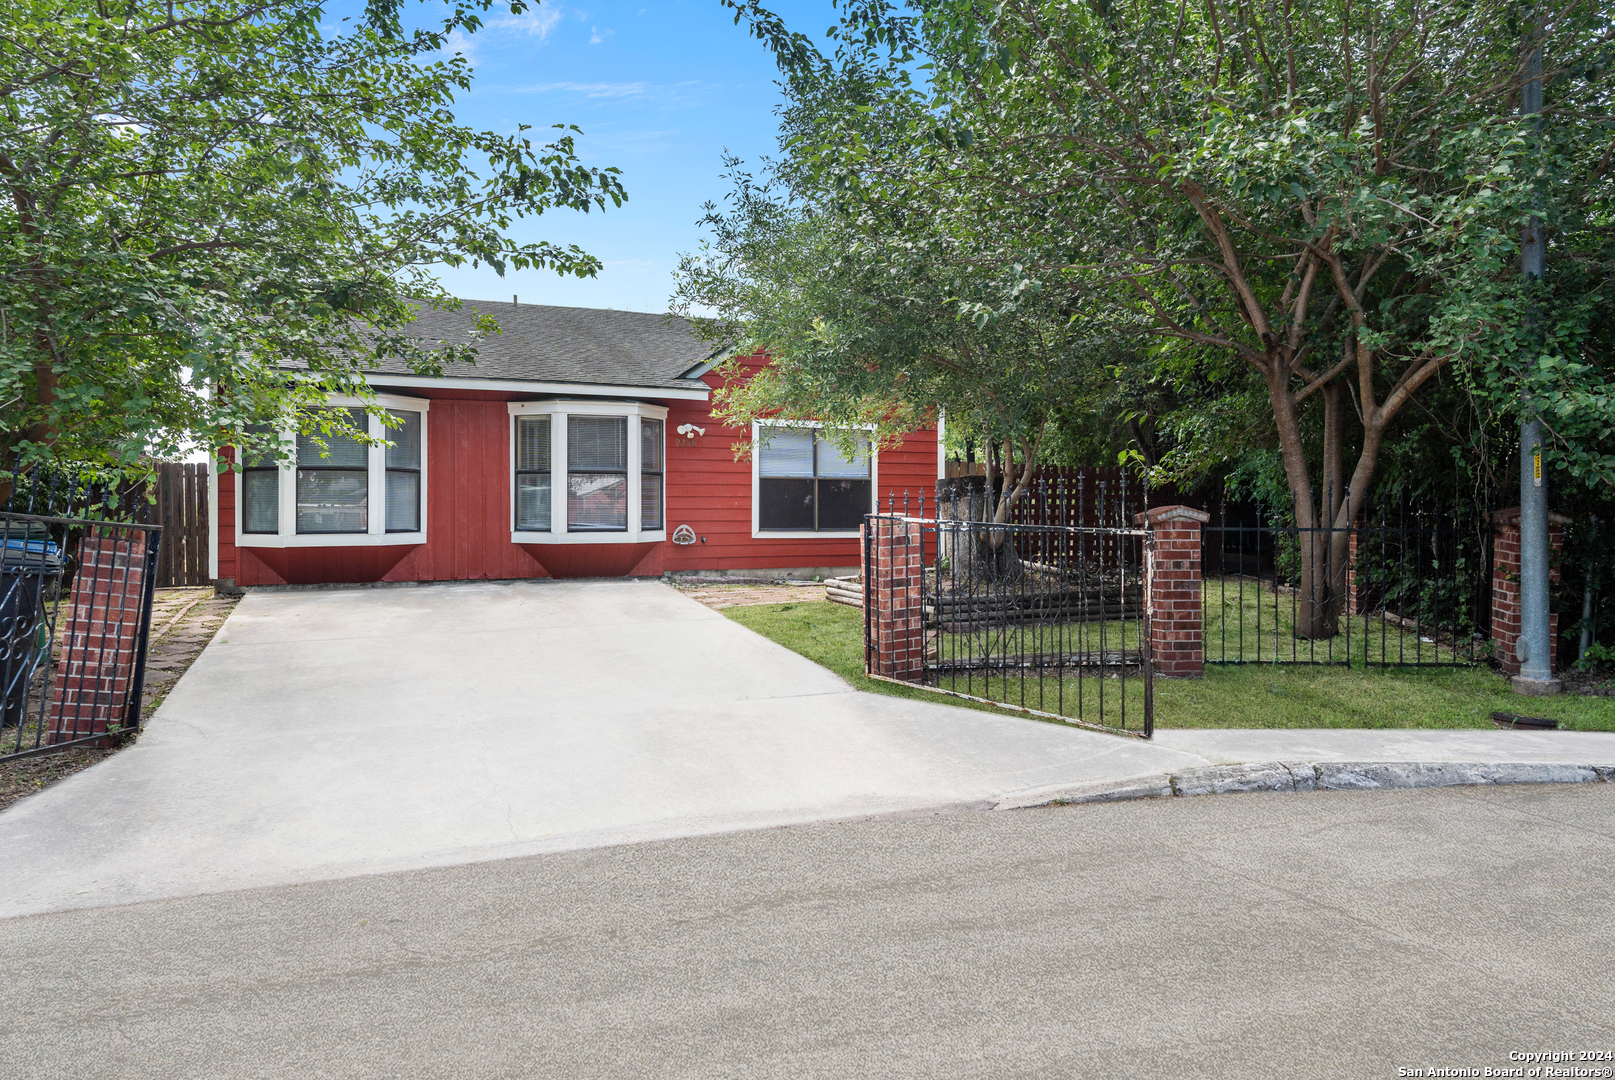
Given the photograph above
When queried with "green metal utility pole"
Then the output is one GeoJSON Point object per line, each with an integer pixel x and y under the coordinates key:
{"type": "Point", "coordinates": [1533, 649]}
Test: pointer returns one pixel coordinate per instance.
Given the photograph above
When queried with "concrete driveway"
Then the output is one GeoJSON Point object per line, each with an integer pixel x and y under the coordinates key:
{"type": "Point", "coordinates": [326, 734]}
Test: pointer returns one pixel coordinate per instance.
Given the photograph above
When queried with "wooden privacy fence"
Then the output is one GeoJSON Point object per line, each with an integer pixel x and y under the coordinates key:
{"type": "Point", "coordinates": [182, 512]}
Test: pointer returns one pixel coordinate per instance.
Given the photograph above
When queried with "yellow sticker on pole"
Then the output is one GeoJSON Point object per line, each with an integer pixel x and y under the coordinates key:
{"type": "Point", "coordinates": [1536, 464]}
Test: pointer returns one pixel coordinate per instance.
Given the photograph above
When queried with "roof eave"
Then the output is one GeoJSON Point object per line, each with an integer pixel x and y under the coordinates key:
{"type": "Point", "coordinates": [697, 392]}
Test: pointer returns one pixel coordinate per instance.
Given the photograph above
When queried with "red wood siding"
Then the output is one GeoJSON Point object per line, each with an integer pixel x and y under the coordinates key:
{"type": "Point", "coordinates": [467, 514]}
{"type": "Point", "coordinates": [469, 519]}
{"type": "Point", "coordinates": [708, 490]}
{"type": "Point", "coordinates": [226, 514]}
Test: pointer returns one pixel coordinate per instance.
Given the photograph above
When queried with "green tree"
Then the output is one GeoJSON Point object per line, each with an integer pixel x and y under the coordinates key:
{"type": "Point", "coordinates": [1330, 192]}
{"type": "Point", "coordinates": [201, 193]}
{"type": "Point", "coordinates": [866, 330]}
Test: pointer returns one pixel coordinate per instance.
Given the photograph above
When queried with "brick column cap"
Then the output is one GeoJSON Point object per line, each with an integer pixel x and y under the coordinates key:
{"type": "Point", "coordinates": [1511, 516]}
{"type": "Point", "coordinates": [1171, 513]}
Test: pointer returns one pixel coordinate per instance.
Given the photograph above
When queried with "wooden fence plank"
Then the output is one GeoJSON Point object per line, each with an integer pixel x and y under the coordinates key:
{"type": "Point", "coordinates": [182, 511]}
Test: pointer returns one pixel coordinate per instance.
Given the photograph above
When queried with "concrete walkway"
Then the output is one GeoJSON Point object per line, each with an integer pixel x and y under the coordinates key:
{"type": "Point", "coordinates": [330, 734]}
{"type": "Point", "coordinates": [1231, 746]}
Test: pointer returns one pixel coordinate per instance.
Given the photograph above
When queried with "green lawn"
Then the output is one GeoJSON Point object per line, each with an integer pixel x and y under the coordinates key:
{"type": "Point", "coordinates": [1247, 619]}
{"type": "Point", "coordinates": [1244, 696]}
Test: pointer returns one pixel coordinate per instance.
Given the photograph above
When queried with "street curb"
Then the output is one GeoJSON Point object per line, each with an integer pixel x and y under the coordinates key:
{"type": "Point", "coordinates": [1313, 776]}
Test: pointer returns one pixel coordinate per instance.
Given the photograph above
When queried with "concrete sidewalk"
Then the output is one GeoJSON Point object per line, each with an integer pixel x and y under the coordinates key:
{"type": "Point", "coordinates": [1230, 746]}
{"type": "Point", "coordinates": [329, 734]}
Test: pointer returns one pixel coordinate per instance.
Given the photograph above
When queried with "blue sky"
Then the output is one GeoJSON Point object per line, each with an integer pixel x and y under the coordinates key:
{"type": "Point", "coordinates": [660, 89]}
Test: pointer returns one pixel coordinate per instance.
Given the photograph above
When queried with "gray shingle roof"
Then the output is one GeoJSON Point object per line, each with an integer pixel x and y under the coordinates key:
{"type": "Point", "coordinates": [541, 343]}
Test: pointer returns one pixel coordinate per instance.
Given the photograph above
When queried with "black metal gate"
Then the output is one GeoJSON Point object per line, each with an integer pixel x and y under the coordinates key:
{"type": "Point", "coordinates": [77, 580]}
{"type": "Point", "coordinates": [1045, 619]}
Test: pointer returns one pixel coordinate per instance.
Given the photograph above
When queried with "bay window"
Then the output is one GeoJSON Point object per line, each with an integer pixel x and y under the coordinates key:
{"type": "Point", "coordinates": [803, 483]}
{"type": "Point", "coordinates": [586, 471]}
{"type": "Point", "coordinates": [339, 490]}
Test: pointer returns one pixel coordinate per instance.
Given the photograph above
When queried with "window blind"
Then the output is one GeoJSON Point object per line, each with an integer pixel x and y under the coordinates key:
{"type": "Point", "coordinates": [533, 444]}
{"type": "Point", "coordinates": [404, 473]}
{"type": "Point", "coordinates": [260, 488]}
{"type": "Point", "coordinates": [785, 452]}
{"type": "Point", "coordinates": [260, 507]}
{"type": "Point", "coordinates": [597, 443]}
{"type": "Point", "coordinates": [651, 449]}
{"type": "Point", "coordinates": [404, 449]}
{"type": "Point", "coordinates": [333, 482]}
{"type": "Point", "coordinates": [533, 481]}
{"type": "Point", "coordinates": [597, 473]}
{"type": "Point", "coordinates": [403, 501]}
{"type": "Point", "coordinates": [833, 463]}
{"type": "Point", "coordinates": [340, 451]}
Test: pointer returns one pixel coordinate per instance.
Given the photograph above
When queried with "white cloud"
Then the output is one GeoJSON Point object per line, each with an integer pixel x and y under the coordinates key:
{"type": "Point", "coordinates": [588, 90]}
{"type": "Point", "coordinates": [534, 23]}
{"type": "Point", "coordinates": [597, 35]}
{"type": "Point", "coordinates": [529, 23]}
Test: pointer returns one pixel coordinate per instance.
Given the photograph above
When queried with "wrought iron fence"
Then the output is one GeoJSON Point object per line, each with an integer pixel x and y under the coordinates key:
{"type": "Point", "coordinates": [77, 574]}
{"type": "Point", "coordinates": [1410, 589]}
{"type": "Point", "coordinates": [1048, 619]}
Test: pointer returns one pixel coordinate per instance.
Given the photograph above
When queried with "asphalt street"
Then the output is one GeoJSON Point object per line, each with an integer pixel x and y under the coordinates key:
{"type": "Point", "coordinates": [1325, 934]}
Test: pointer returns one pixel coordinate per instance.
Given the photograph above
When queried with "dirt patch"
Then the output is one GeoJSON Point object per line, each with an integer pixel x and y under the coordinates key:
{"type": "Point", "coordinates": [1599, 683]}
{"type": "Point", "coordinates": [727, 596]}
{"type": "Point", "coordinates": [183, 621]}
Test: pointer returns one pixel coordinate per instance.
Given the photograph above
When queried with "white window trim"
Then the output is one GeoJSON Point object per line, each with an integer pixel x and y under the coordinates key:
{"type": "Point", "coordinates": [557, 409]}
{"type": "Point", "coordinates": [376, 465]}
{"type": "Point", "coordinates": [756, 486]}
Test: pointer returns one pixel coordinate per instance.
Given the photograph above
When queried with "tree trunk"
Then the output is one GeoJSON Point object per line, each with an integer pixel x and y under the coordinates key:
{"type": "Point", "coordinates": [986, 555]}
{"type": "Point", "coordinates": [1324, 516]}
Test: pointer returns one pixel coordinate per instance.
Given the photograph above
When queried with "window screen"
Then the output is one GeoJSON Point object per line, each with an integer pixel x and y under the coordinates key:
{"type": "Point", "coordinates": [597, 473]}
{"type": "Point", "coordinates": [260, 489]}
{"type": "Point", "coordinates": [805, 483]}
{"type": "Point", "coordinates": [533, 479]}
{"type": "Point", "coordinates": [652, 447]}
{"type": "Point", "coordinates": [333, 483]}
{"type": "Point", "coordinates": [404, 473]}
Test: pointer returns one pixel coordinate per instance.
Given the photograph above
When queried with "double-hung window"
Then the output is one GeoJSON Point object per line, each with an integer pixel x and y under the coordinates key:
{"type": "Point", "coordinates": [404, 472]}
{"type": "Point", "coordinates": [652, 447]}
{"type": "Point", "coordinates": [596, 474]}
{"type": "Point", "coordinates": [260, 488]}
{"type": "Point", "coordinates": [333, 481]}
{"type": "Point", "coordinates": [533, 476]}
{"type": "Point", "coordinates": [587, 472]}
{"type": "Point", "coordinates": [807, 484]}
{"type": "Point", "coordinates": [341, 490]}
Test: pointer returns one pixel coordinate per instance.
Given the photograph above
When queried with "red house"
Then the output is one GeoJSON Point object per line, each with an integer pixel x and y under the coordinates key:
{"type": "Point", "coordinates": [580, 444]}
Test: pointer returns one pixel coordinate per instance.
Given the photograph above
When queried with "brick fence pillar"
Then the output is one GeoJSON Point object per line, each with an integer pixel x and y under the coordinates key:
{"type": "Point", "coordinates": [1506, 586]}
{"type": "Point", "coordinates": [894, 598]}
{"type": "Point", "coordinates": [1357, 600]}
{"type": "Point", "coordinates": [1173, 589]}
{"type": "Point", "coordinates": [95, 676]}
